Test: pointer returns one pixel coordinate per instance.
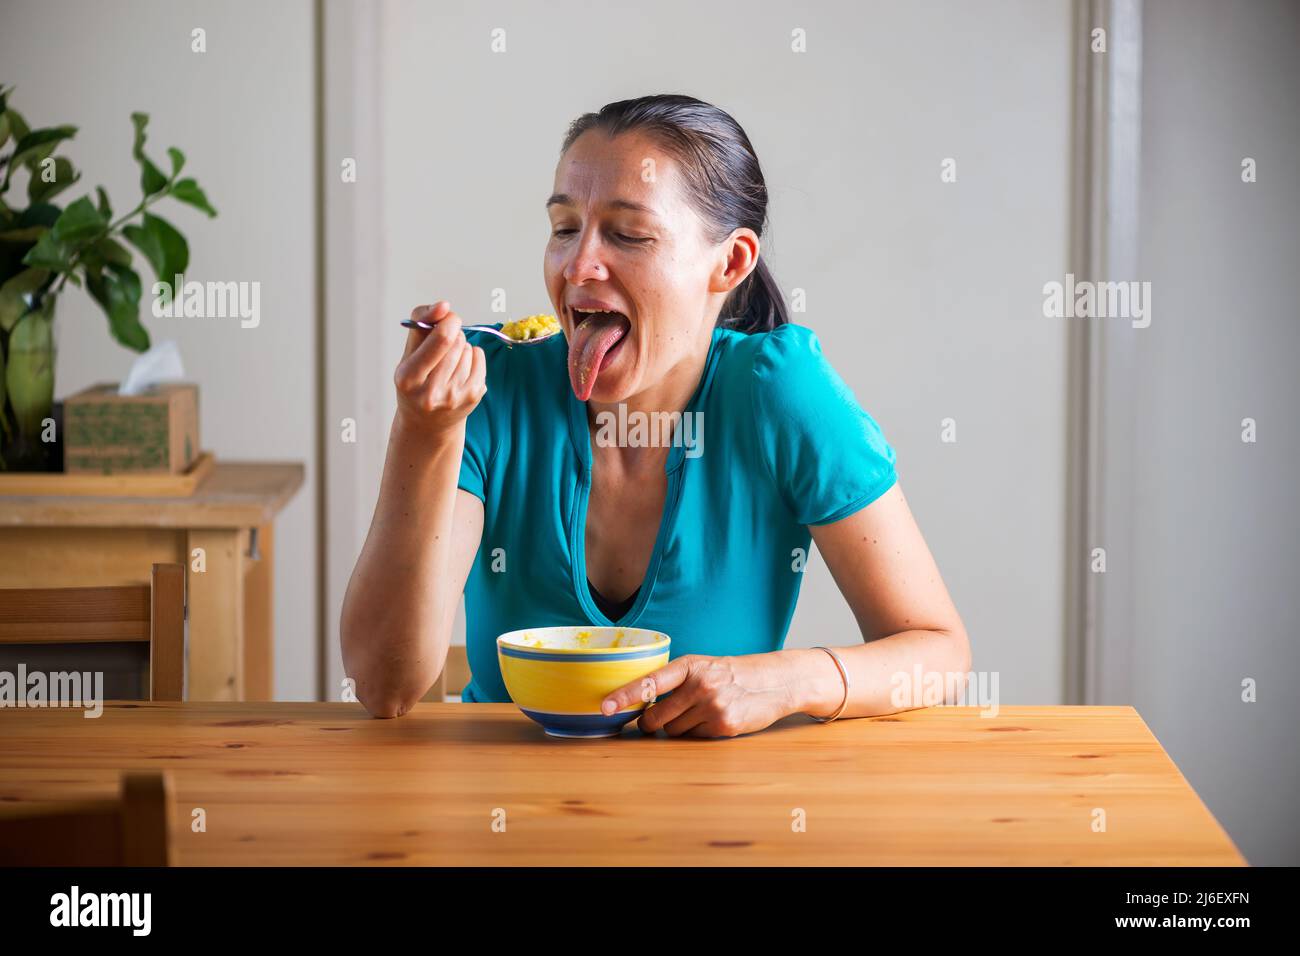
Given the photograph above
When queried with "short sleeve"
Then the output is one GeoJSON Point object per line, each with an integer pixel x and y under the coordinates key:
{"type": "Point", "coordinates": [826, 455]}
{"type": "Point", "coordinates": [488, 423]}
{"type": "Point", "coordinates": [474, 460]}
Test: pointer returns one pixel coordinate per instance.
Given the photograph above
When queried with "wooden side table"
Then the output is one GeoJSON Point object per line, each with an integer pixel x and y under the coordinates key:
{"type": "Point", "coordinates": [84, 541]}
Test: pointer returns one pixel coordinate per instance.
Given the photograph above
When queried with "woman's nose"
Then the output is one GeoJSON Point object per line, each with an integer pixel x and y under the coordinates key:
{"type": "Point", "coordinates": [585, 262]}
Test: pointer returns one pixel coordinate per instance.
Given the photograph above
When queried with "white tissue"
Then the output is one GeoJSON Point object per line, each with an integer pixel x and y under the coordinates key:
{"type": "Point", "coordinates": [162, 363]}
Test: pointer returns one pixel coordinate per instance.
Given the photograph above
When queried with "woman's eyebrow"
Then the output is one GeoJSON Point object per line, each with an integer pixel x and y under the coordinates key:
{"type": "Point", "coordinates": [563, 199]}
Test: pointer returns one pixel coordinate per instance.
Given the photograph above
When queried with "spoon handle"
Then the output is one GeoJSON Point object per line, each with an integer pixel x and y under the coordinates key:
{"type": "Point", "coordinates": [497, 333]}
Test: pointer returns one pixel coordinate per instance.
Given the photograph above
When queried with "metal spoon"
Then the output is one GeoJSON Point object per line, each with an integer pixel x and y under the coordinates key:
{"type": "Point", "coordinates": [536, 340]}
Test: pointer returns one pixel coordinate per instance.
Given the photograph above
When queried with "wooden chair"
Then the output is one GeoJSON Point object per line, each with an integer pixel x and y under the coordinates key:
{"type": "Point", "coordinates": [132, 830]}
{"type": "Point", "coordinates": [454, 676]}
{"type": "Point", "coordinates": [151, 613]}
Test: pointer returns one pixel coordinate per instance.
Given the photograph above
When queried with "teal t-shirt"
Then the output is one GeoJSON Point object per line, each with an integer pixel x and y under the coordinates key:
{"type": "Point", "coordinates": [779, 443]}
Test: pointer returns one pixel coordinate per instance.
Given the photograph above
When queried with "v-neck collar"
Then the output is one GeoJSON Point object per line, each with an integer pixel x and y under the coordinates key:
{"type": "Point", "coordinates": [580, 436]}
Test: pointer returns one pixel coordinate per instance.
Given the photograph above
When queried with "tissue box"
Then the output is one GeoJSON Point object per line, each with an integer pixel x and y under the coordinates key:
{"type": "Point", "coordinates": [157, 431]}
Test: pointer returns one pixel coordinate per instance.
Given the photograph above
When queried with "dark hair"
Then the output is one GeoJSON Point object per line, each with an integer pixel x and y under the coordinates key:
{"type": "Point", "coordinates": [723, 178]}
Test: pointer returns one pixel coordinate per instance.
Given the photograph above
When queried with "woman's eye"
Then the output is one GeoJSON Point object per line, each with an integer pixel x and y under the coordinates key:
{"type": "Point", "coordinates": [618, 235]}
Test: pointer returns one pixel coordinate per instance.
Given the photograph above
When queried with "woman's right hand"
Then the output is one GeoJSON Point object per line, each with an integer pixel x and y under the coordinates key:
{"type": "Point", "coordinates": [441, 377]}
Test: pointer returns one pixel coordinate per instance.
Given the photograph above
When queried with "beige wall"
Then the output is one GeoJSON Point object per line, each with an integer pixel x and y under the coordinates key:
{"type": "Point", "coordinates": [242, 113]}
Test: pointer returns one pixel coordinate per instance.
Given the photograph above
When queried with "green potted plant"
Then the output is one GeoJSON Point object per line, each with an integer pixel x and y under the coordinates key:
{"type": "Point", "coordinates": [43, 247]}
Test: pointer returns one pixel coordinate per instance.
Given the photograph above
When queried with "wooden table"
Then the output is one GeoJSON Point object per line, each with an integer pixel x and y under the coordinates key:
{"type": "Point", "coordinates": [78, 541]}
{"type": "Point", "coordinates": [324, 783]}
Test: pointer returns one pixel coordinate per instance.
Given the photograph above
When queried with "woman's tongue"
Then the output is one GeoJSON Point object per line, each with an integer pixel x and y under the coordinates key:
{"type": "Point", "coordinates": [591, 341]}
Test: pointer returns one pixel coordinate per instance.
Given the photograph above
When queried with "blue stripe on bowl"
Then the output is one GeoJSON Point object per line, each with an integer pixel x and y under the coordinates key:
{"type": "Point", "coordinates": [543, 655]}
{"type": "Point", "coordinates": [581, 725]}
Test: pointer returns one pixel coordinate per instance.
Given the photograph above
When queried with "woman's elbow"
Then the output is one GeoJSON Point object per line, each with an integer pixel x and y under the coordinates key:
{"type": "Point", "coordinates": [372, 683]}
{"type": "Point", "coordinates": [386, 706]}
{"type": "Point", "coordinates": [959, 647]}
{"type": "Point", "coordinates": [381, 698]}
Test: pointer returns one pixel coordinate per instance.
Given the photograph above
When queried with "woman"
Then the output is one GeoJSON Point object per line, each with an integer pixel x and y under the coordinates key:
{"type": "Point", "coordinates": [500, 483]}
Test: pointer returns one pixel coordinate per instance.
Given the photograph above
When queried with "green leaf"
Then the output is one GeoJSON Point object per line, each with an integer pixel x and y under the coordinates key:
{"type": "Point", "coordinates": [94, 258]}
{"type": "Point", "coordinates": [38, 144]}
{"type": "Point", "coordinates": [64, 176]}
{"type": "Point", "coordinates": [33, 223]}
{"type": "Point", "coordinates": [123, 287]}
{"type": "Point", "coordinates": [27, 234]}
{"type": "Point", "coordinates": [4, 138]}
{"type": "Point", "coordinates": [188, 191]}
{"type": "Point", "coordinates": [104, 206]}
{"type": "Point", "coordinates": [97, 286]}
{"type": "Point", "coordinates": [79, 222]}
{"type": "Point", "coordinates": [151, 178]}
{"type": "Point", "coordinates": [139, 121]}
{"type": "Point", "coordinates": [18, 128]}
{"type": "Point", "coordinates": [14, 296]}
{"type": "Point", "coordinates": [113, 251]}
{"type": "Point", "coordinates": [48, 253]}
{"type": "Point", "coordinates": [146, 242]}
{"type": "Point", "coordinates": [17, 124]}
{"type": "Point", "coordinates": [118, 292]}
{"type": "Point", "coordinates": [40, 214]}
{"type": "Point", "coordinates": [177, 158]}
{"type": "Point", "coordinates": [164, 247]}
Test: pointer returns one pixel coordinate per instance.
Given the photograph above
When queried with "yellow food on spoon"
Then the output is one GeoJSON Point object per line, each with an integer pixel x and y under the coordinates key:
{"type": "Point", "coordinates": [531, 327]}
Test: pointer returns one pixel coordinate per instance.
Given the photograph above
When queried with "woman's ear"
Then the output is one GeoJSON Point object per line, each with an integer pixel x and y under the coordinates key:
{"type": "Point", "coordinates": [740, 258]}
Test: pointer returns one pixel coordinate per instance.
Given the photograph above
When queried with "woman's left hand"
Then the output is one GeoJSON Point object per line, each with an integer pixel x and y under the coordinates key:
{"type": "Point", "coordinates": [711, 696]}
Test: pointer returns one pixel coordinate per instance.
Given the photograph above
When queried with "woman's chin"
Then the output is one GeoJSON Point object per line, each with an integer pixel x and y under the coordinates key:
{"type": "Point", "coordinates": [611, 390]}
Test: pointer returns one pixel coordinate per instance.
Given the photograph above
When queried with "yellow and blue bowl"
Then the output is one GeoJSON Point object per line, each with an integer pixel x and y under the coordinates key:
{"type": "Point", "coordinates": [560, 675]}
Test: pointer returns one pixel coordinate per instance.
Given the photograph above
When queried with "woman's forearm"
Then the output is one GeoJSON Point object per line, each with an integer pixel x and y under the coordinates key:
{"type": "Point", "coordinates": [399, 608]}
{"type": "Point", "coordinates": [883, 674]}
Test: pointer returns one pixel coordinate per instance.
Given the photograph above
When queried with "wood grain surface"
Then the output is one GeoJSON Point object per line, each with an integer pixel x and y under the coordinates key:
{"type": "Point", "coordinates": [322, 783]}
{"type": "Point", "coordinates": [234, 494]}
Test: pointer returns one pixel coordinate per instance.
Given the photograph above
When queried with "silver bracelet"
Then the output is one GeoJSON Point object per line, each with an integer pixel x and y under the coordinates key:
{"type": "Point", "coordinates": [845, 675]}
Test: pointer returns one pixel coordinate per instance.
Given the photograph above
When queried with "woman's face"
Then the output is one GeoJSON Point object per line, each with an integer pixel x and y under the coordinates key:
{"type": "Point", "coordinates": [625, 239]}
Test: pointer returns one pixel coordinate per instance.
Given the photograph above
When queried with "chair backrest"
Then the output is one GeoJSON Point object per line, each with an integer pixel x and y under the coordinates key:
{"type": "Point", "coordinates": [133, 829]}
{"type": "Point", "coordinates": [152, 613]}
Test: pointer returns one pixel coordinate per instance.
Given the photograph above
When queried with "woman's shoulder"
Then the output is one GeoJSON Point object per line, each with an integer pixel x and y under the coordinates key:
{"type": "Point", "coordinates": [781, 369]}
{"type": "Point", "coordinates": [785, 345]}
{"type": "Point", "coordinates": [825, 453]}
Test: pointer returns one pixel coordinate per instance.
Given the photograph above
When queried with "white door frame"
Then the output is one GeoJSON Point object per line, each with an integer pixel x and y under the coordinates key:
{"type": "Point", "coordinates": [351, 269]}
{"type": "Point", "coordinates": [1104, 246]}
